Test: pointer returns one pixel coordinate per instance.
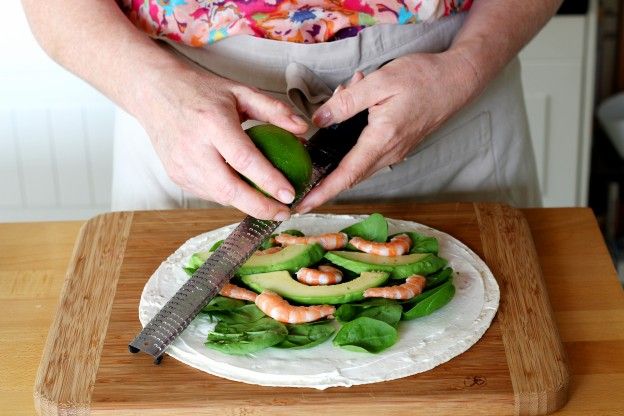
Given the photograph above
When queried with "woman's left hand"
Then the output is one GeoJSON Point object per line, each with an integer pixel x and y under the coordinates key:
{"type": "Point", "coordinates": [407, 98]}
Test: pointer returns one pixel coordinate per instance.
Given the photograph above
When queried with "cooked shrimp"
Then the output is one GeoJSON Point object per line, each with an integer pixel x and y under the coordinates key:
{"type": "Point", "coordinates": [279, 309]}
{"type": "Point", "coordinates": [397, 246]}
{"type": "Point", "coordinates": [236, 292]}
{"type": "Point", "coordinates": [325, 275]}
{"type": "Point", "coordinates": [330, 241]}
{"type": "Point", "coordinates": [413, 286]}
{"type": "Point", "coordinates": [269, 250]}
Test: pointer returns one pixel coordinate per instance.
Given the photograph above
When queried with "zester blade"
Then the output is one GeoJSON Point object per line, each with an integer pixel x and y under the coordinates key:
{"type": "Point", "coordinates": [327, 147]}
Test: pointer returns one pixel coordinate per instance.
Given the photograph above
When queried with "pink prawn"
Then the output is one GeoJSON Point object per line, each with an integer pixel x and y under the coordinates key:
{"type": "Point", "coordinates": [413, 286]}
{"type": "Point", "coordinates": [237, 292]}
{"type": "Point", "coordinates": [279, 309]}
{"type": "Point", "coordinates": [329, 241]}
{"type": "Point", "coordinates": [324, 275]}
{"type": "Point", "coordinates": [397, 246]}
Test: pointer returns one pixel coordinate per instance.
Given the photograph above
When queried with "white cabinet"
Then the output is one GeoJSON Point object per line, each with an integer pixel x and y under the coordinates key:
{"type": "Point", "coordinates": [558, 79]}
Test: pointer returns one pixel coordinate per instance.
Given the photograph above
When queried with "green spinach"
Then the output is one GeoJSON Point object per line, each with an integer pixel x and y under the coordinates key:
{"type": "Point", "coordinates": [247, 337]}
{"type": "Point", "coordinates": [221, 303]}
{"type": "Point", "coordinates": [295, 233]}
{"type": "Point", "coordinates": [308, 335]}
{"type": "Point", "coordinates": [438, 278]}
{"type": "Point", "coordinates": [240, 315]}
{"type": "Point", "coordinates": [366, 334]}
{"type": "Point", "coordinates": [268, 242]}
{"type": "Point", "coordinates": [215, 246]}
{"type": "Point", "coordinates": [386, 310]}
{"type": "Point", "coordinates": [435, 299]}
{"type": "Point", "coordinates": [421, 243]}
{"type": "Point", "coordinates": [373, 228]}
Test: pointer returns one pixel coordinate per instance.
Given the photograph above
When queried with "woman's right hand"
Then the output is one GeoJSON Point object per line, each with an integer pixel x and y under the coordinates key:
{"type": "Point", "coordinates": [194, 121]}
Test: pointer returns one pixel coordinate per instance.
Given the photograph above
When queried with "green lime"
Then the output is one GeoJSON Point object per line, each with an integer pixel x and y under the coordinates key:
{"type": "Point", "coordinates": [284, 150]}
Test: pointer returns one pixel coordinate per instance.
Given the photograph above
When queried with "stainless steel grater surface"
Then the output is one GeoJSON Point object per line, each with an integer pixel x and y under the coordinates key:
{"type": "Point", "coordinates": [327, 148]}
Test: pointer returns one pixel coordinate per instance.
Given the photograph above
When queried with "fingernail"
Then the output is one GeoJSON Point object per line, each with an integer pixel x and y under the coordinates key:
{"type": "Point", "coordinates": [298, 120]}
{"type": "Point", "coordinates": [322, 118]}
{"type": "Point", "coordinates": [285, 196]}
{"type": "Point", "coordinates": [281, 216]}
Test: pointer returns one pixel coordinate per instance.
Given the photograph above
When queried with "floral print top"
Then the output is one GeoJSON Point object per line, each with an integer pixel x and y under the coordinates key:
{"type": "Point", "coordinates": [202, 22]}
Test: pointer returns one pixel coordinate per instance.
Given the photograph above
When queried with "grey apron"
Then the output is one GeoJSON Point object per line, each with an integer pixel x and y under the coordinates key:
{"type": "Point", "coordinates": [483, 153]}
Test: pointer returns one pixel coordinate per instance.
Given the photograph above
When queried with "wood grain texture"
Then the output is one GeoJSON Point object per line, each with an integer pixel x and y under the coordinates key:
{"type": "Point", "coordinates": [33, 263]}
{"type": "Point", "coordinates": [588, 301]}
{"type": "Point", "coordinates": [535, 354]}
{"type": "Point", "coordinates": [71, 355]}
{"type": "Point", "coordinates": [585, 294]}
{"type": "Point", "coordinates": [478, 376]}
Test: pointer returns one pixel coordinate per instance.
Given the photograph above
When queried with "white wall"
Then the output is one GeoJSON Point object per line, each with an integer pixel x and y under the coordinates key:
{"type": "Point", "coordinates": [55, 133]}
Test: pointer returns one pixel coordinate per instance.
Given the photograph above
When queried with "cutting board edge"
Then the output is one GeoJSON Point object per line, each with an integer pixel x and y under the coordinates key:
{"type": "Point", "coordinates": [66, 394]}
{"type": "Point", "coordinates": [64, 409]}
{"type": "Point", "coordinates": [550, 394]}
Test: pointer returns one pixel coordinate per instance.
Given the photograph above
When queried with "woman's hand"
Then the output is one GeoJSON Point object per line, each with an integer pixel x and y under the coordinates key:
{"type": "Point", "coordinates": [193, 120]}
{"type": "Point", "coordinates": [407, 99]}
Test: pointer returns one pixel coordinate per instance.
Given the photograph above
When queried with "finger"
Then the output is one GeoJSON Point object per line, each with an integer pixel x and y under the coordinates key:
{"type": "Point", "coordinates": [357, 76]}
{"type": "Point", "coordinates": [262, 107]}
{"type": "Point", "coordinates": [351, 100]}
{"type": "Point", "coordinates": [244, 157]}
{"type": "Point", "coordinates": [227, 188]}
{"type": "Point", "coordinates": [353, 168]}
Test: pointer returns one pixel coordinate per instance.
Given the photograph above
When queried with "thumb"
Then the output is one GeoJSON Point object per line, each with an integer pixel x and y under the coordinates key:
{"type": "Point", "coordinates": [348, 101]}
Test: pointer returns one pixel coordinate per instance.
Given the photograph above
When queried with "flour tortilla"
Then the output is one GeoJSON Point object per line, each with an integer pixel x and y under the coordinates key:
{"type": "Point", "coordinates": [423, 343]}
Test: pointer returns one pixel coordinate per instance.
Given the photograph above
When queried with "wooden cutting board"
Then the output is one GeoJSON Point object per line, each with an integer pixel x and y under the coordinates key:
{"type": "Point", "coordinates": [517, 368]}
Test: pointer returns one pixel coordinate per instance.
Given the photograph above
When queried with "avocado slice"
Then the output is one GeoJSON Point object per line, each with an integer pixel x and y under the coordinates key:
{"type": "Point", "coordinates": [284, 285]}
{"type": "Point", "coordinates": [290, 258]}
{"type": "Point", "coordinates": [399, 267]}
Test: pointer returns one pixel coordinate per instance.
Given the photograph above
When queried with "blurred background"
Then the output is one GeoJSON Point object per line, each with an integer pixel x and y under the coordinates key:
{"type": "Point", "coordinates": [56, 131]}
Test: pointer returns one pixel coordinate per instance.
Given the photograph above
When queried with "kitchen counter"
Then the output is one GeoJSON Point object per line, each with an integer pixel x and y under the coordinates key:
{"type": "Point", "coordinates": [585, 294]}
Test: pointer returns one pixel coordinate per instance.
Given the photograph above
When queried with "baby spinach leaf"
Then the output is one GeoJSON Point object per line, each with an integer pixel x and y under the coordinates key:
{"type": "Point", "coordinates": [263, 324]}
{"type": "Point", "coordinates": [439, 297]}
{"type": "Point", "coordinates": [428, 292]}
{"type": "Point", "coordinates": [366, 334]}
{"type": "Point", "coordinates": [268, 242]}
{"type": "Point", "coordinates": [438, 278]}
{"type": "Point", "coordinates": [242, 315]}
{"type": "Point", "coordinates": [386, 310]}
{"type": "Point", "coordinates": [295, 233]}
{"type": "Point", "coordinates": [195, 261]}
{"type": "Point", "coordinates": [307, 335]}
{"type": "Point", "coordinates": [245, 338]}
{"type": "Point", "coordinates": [390, 314]}
{"type": "Point", "coordinates": [221, 303]}
{"type": "Point", "coordinates": [421, 243]}
{"type": "Point", "coordinates": [373, 228]}
{"type": "Point", "coordinates": [215, 246]}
